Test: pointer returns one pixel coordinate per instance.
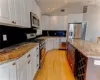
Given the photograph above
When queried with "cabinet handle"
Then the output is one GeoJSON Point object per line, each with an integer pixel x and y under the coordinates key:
{"type": "Point", "coordinates": [14, 64]}
{"type": "Point", "coordinates": [37, 65]}
{"type": "Point", "coordinates": [28, 56]}
{"type": "Point", "coordinates": [29, 62]}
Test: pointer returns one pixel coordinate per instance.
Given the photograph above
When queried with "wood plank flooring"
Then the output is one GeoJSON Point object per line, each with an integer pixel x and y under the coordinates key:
{"type": "Point", "coordinates": [55, 67]}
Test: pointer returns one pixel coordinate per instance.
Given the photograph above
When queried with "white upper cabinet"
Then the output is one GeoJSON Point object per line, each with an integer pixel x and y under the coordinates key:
{"type": "Point", "coordinates": [18, 12]}
{"type": "Point", "coordinates": [5, 11]}
{"type": "Point", "coordinates": [54, 22]}
{"type": "Point", "coordinates": [75, 18]}
{"type": "Point", "coordinates": [45, 22]}
{"type": "Point", "coordinates": [12, 10]}
{"type": "Point", "coordinates": [25, 13]}
{"type": "Point", "coordinates": [58, 22]}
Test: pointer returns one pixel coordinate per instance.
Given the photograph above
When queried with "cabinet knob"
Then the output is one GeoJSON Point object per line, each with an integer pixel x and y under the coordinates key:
{"type": "Point", "coordinates": [37, 65]}
{"type": "Point", "coordinates": [29, 62]}
{"type": "Point", "coordinates": [13, 22]}
{"type": "Point", "coordinates": [37, 48]}
{"type": "Point", "coordinates": [37, 55]}
{"type": "Point", "coordinates": [14, 64]}
{"type": "Point", "coordinates": [28, 56]}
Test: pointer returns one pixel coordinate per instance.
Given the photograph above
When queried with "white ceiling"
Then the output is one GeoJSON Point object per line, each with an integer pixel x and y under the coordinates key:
{"type": "Point", "coordinates": [70, 5]}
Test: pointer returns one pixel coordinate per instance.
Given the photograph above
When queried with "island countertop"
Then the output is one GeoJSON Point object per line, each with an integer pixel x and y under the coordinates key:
{"type": "Point", "coordinates": [89, 49]}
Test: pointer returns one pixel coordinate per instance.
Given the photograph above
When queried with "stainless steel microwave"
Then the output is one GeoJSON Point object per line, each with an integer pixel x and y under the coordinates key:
{"type": "Point", "coordinates": [35, 23]}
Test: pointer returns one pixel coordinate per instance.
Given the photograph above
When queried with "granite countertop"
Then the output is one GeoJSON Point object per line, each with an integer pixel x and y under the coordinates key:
{"type": "Point", "coordinates": [46, 37]}
{"type": "Point", "coordinates": [13, 53]}
{"type": "Point", "coordinates": [89, 49]}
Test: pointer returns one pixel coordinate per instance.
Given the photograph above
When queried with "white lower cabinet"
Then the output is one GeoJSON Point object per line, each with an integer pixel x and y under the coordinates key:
{"type": "Point", "coordinates": [52, 43]}
{"type": "Point", "coordinates": [35, 60]}
{"type": "Point", "coordinates": [23, 68]}
{"type": "Point", "coordinates": [8, 71]}
{"type": "Point", "coordinates": [49, 44]}
{"type": "Point", "coordinates": [22, 73]}
{"type": "Point", "coordinates": [56, 43]}
{"type": "Point", "coordinates": [29, 64]}
{"type": "Point", "coordinates": [29, 70]}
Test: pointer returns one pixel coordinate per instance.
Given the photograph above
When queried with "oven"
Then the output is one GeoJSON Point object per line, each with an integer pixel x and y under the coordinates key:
{"type": "Point", "coordinates": [42, 52]}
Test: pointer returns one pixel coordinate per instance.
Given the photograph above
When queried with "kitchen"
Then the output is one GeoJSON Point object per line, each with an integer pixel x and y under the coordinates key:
{"type": "Point", "coordinates": [29, 29]}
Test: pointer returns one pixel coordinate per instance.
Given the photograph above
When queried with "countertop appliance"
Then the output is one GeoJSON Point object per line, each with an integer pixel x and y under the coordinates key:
{"type": "Point", "coordinates": [35, 23]}
{"type": "Point", "coordinates": [77, 30]}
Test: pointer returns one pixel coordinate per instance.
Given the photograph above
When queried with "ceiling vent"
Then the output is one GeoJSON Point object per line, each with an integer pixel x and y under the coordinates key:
{"type": "Point", "coordinates": [85, 8]}
{"type": "Point", "coordinates": [62, 10]}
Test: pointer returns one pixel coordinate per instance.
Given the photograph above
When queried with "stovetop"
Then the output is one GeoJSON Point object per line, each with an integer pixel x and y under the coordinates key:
{"type": "Point", "coordinates": [36, 40]}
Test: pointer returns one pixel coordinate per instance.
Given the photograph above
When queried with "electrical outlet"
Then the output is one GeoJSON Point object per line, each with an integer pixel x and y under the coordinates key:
{"type": "Point", "coordinates": [97, 62]}
{"type": "Point", "coordinates": [4, 37]}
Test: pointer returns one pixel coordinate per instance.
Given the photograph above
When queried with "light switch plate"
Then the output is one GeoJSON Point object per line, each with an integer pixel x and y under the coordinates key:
{"type": "Point", "coordinates": [4, 37]}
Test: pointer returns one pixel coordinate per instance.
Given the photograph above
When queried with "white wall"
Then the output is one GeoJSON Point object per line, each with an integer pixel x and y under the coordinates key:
{"type": "Point", "coordinates": [54, 22]}
{"type": "Point", "coordinates": [92, 17]}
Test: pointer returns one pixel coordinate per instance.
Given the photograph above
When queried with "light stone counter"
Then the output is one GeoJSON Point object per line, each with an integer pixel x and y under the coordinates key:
{"type": "Point", "coordinates": [19, 51]}
{"type": "Point", "coordinates": [89, 49]}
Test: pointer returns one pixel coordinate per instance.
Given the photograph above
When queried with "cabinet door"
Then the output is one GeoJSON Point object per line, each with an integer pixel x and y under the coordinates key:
{"type": "Point", "coordinates": [22, 73]}
{"type": "Point", "coordinates": [29, 70]}
{"type": "Point", "coordinates": [52, 43]}
{"type": "Point", "coordinates": [25, 15]}
{"type": "Point", "coordinates": [8, 71]}
{"type": "Point", "coordinates": [5, 11]}
{"type": "Point", "coordinates": [37, 57]}
{"type": "Point", "coordinates": [27, 11]}
{"type": "Point", "coordinates": [49, 44]}
{"type": "Point", "coordinates": [56, 43]}
{"type": "Point", "coordinates": [17, 12]}
{"type": "Point", "coordinates": [12, 10]}
{"type": "Point", "coordinates": [34, 62]}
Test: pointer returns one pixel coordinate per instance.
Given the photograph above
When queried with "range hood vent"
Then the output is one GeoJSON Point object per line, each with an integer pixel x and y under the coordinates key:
{"type": "Point", "coordinates": [85, 8]}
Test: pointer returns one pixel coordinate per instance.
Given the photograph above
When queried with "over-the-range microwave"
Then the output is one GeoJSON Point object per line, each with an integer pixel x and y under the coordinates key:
{"type": "Point", "coordinates": [35, 23]}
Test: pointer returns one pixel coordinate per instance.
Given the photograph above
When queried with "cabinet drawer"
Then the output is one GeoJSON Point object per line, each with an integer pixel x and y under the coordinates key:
{"type": "Point", "coordinates": [23, 60]}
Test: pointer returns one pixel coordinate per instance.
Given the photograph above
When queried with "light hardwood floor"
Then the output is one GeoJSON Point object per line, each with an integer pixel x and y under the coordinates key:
{"type": "Point", "coordinates": [55, 67]}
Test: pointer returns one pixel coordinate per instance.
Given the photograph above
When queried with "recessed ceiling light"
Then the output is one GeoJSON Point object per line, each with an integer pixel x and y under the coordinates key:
{"type": "Point", "coordinates": [48, 8]}
{"type": "Point", "coordinates": [65, 1]}
{"type": "Point", "coordinates": [53, 8]}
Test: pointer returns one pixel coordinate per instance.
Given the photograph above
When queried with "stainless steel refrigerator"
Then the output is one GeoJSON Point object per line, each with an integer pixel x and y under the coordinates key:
{"type": "Point", "coordinates": [77, 30]}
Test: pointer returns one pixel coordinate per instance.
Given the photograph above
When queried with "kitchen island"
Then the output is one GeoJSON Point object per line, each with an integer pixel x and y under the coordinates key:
{"type": "Point", "coordinates": [84, 59]}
